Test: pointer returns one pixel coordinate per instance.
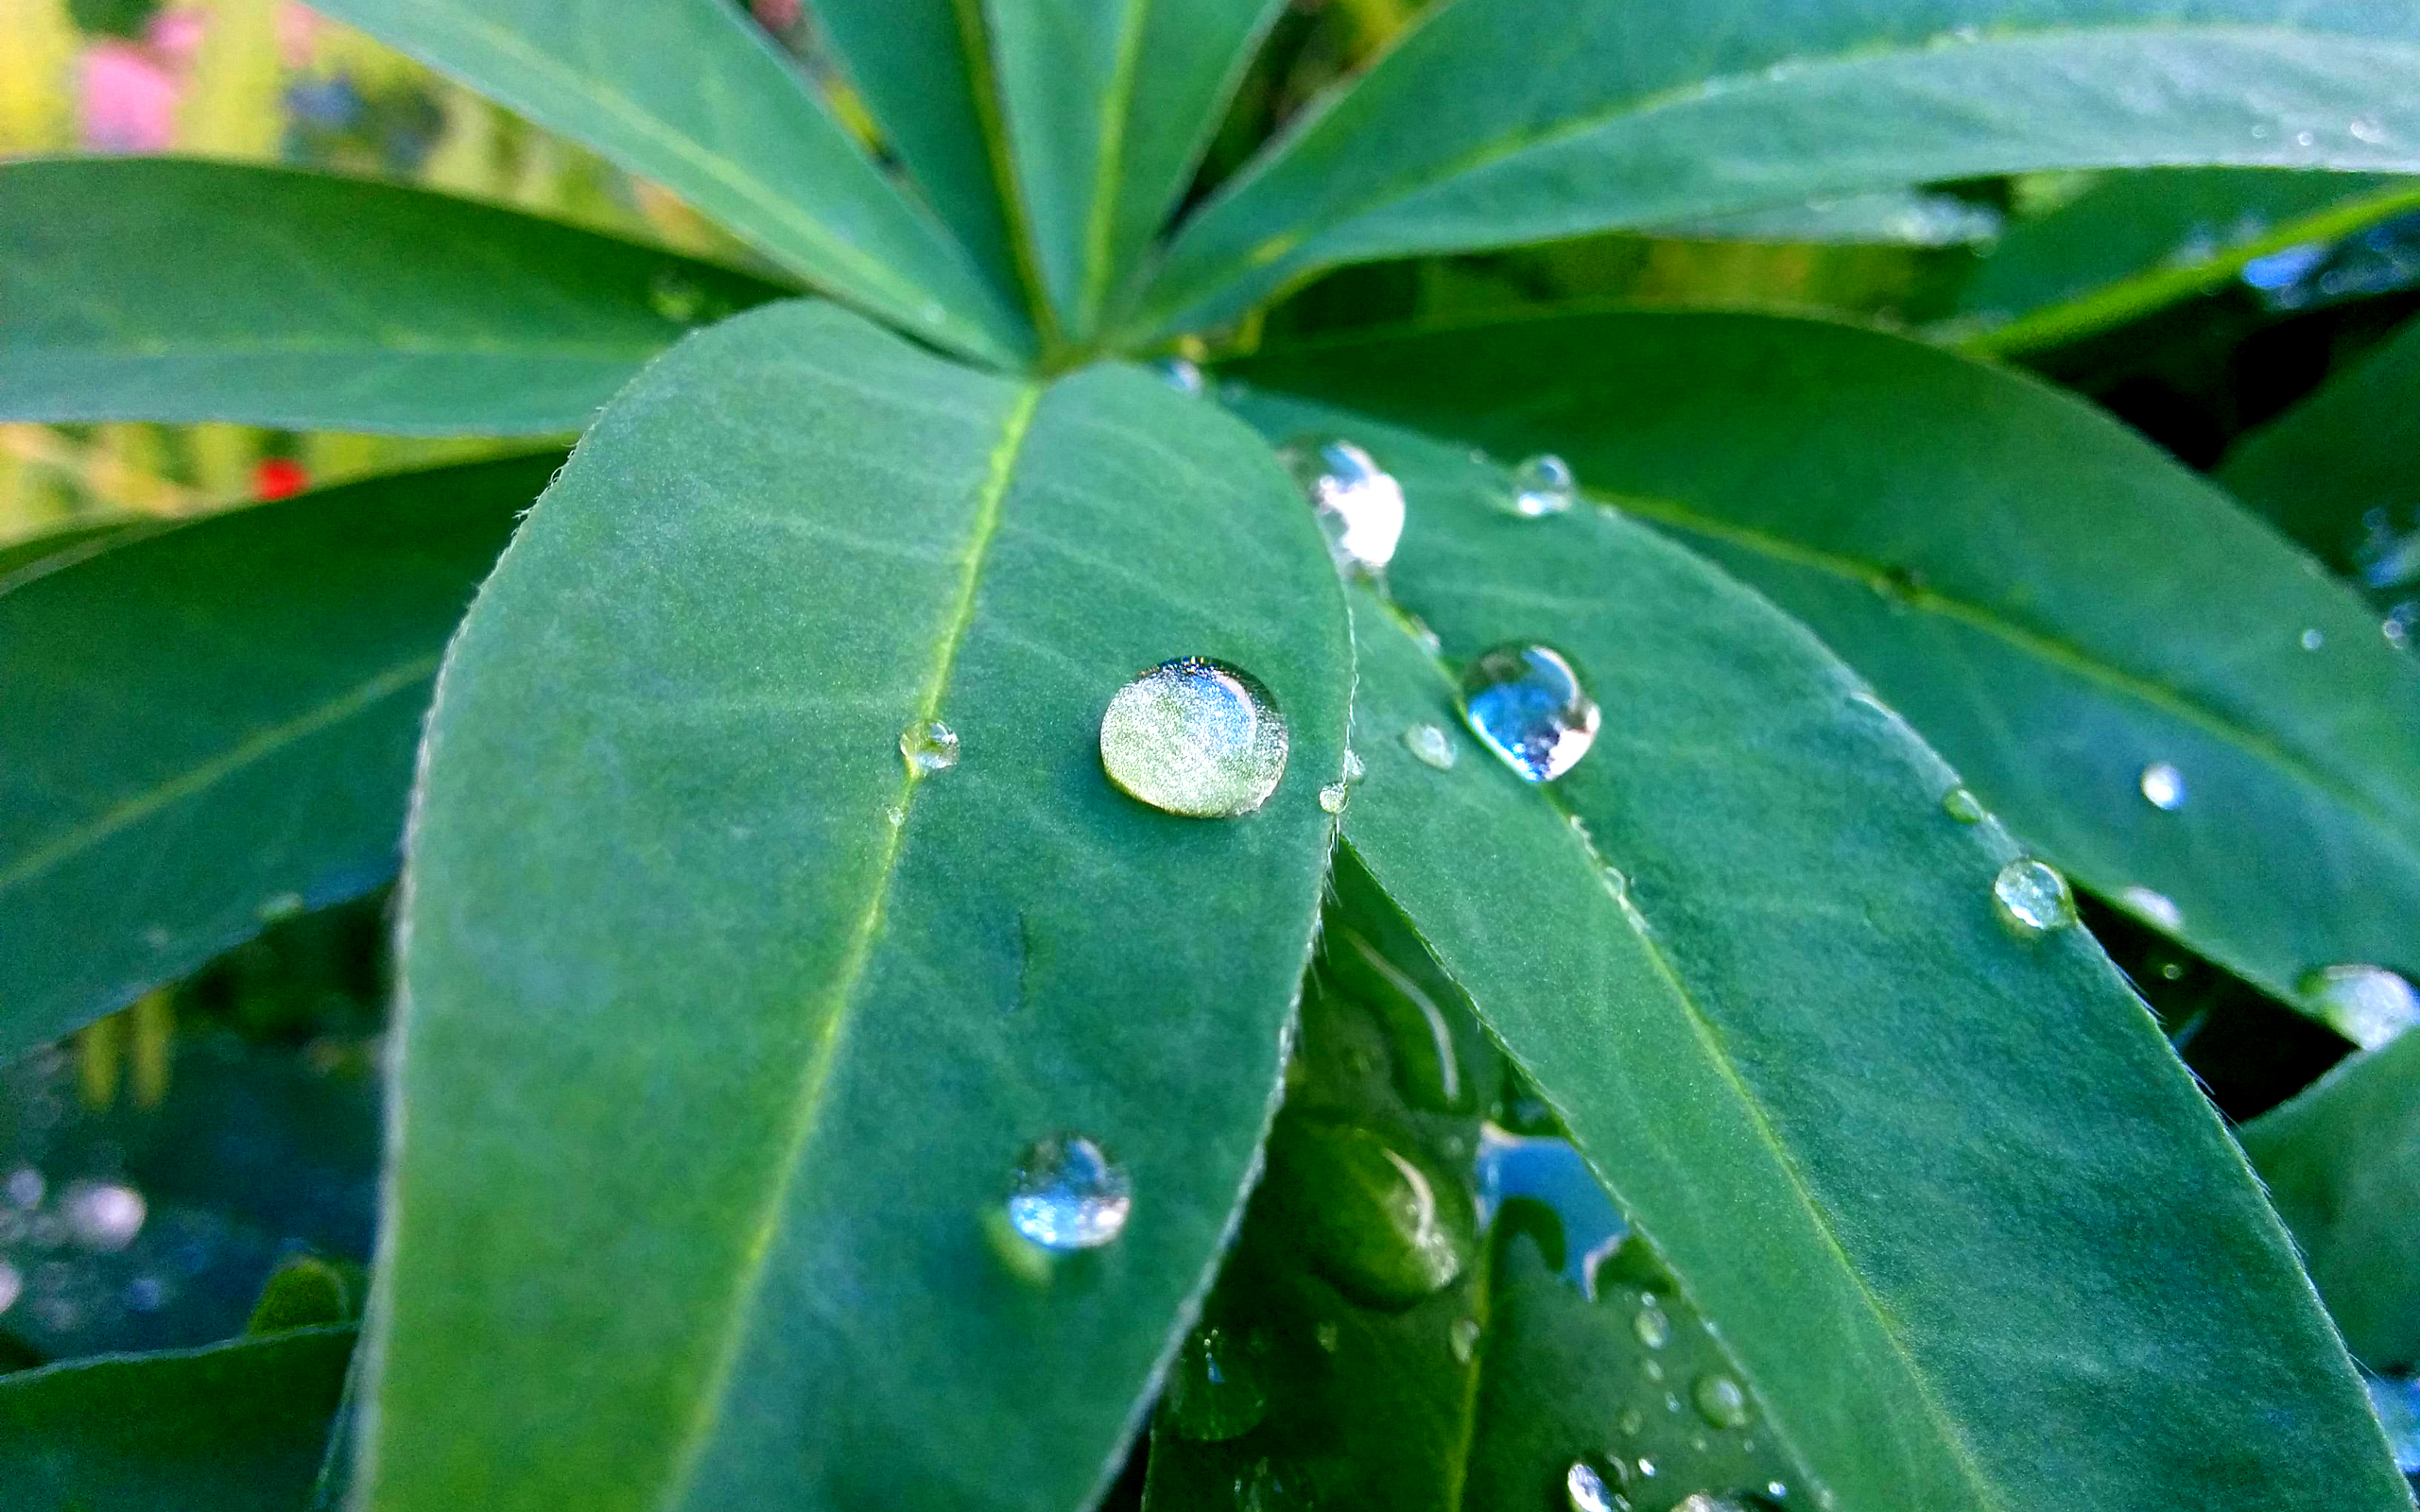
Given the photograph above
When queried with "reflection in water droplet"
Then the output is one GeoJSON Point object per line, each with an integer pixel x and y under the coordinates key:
{"type": "Point", "coordinates": [1526, 702]}
{"type": "Point", "coordinates": [2313, 640]}
{"type": "Point", "coordinates": [1962, 805]}
{"type": "Point", "coordinates": [1720, 1400]}
{"type": "Point", "coordinates": [2156, 907]}
{"type": "Point", "coordinates": [1543, 485]}
{"type": "Point", "coordinates": [1196, 737]}
{"type": "Point", "coordinates": [1359, 503]}
{"type": "Point", "coordinates": [1654, 1329]}
{"type": "Point", "coordinates": [928, 747]}
{"type": "Point", "coordinates": [1181, 374]}
{"type": "Point", "coordinates": [2032, 898]}
{"type": "Point", "coordinates": [1462, 1338]}
{"type": "Point", "coordinates": [1589, 1488]}
{"type": "Point", "coordinates": [1216, 1390]}
{"type": "Point", "coordinates": [1069, 1195]}
{"type": "Point", "coordinates": [1430, 745]}
{"type": "Point", "coordinates": [103, 1215]}
{"type": "Point", "coordinates": [1333, 797]}
{"type": "Point", "coordinates": [2367, 1004]}
{"type": "Point", "coordinates": [2163, 787]}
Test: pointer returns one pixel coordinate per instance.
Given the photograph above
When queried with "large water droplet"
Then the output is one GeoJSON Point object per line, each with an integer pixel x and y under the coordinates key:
{"type": "Point", "coordinates": [1963, 806]}
{"type": "Point", "coordinates": [2032, 898]}
{"type": "Point", "coordinates": [1195, 738]}
{"type": "Point", "coordinates": [927, 746]}
{"type": "Point", "coordinates": [1379, 1226]}
{"type": "Point", "coordinates": [1359, 503]}
{"type": "Point", "coordinates": [1719, 1400]}
{"type": "Point", "coordinates": [2163, 787]}
{"type": "Point", "coordinates": [1526, 704]}
{"type": "Point", "coordinates": [1430, 745]}
{"type": "Point", "coordinates": [1216, 1390]}
{"type": "Point", "coordinates": [1543, 485]}
{"type": "Point", "coordinates": [1069, 1195]}
{"type": "Point", "coordinates": [1590, 1486]}
{"type": "Point", "coordinates": [2367, 1004]}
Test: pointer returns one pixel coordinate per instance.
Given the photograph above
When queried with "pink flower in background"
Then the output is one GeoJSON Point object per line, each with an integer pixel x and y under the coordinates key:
{"type": "Point", "coordinates": [129, 98]}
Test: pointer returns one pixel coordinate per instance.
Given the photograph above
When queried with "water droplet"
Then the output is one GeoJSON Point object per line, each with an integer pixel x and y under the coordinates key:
{"type": "Point", "coordinates": [1069, 1195]}
{"type": "Point", "coordinates": [1646, 1469]}
{"type": "Point", "coordinates": [1591, 1488]}
{"type": "Point", "coordinates": [675, 296]}
{"type": "Point", "coordinates": [1422, 635]}
{"type": "Point", "coordinates": [1462, 1338]}
{"type": "Point", "coordinates": [2303, 139]}
{"type": "Point", "coordinates": [1654, 1329]}
{"type": "Point", "coordinates": [1328, 1337]}
{"type": "Point", "coordinates": [280, 906]}
{"type": "Point", "coordinates": [1632, 1423]}
{"type": "Point", "coordinates": [1379, 1226]}
{"type": "Point", "coordinates": [1359, 503]}
{"type": "Point", "coordinates": [2363, 130]}
{"type": "Point", "coordinates": [1333, 797]}
{"type": "Point", "coordinates": [2032, 898]}
{"type": "Point", "coordinates": [2156, 907]}
{"type": "Point", "coordinates": [1543, 485]}
{"type": "Point", "coordinates": [102, 1214]}
{"type": "Point", "coordinates": [1352, 767]}
{"type": "Point", "coordinates": [2367, 1004]}
{"type": "Point", "coordinates": [1654, 1370]}
{"type": "Point", "coordinates": [1216, 1390]}
{"type": "Point", "coordinates": [1431, 746]}
{"type": "Point", "coordinates": [1183, 375]}
{"type": "Point", "coordinates": [2399, 623]}
{"type": "Point", "coordinates": [25, 1187]}
{"type": "Point", "coordinates": [928, 747]}
{"type": "Point", "coordinates": [2163, 787]}
{"type": "Point", "coordinates": [2312, 640]}
{"type": "Point", "coordinates": [1526, 702]}
{"type": "Point", "coordinates": [1776, 1491]}
{"type": "Point", "coordinates": [1720, 1400]}
{"type": "Point", "coordinates": [1196, 737]}
{"type": "Point", "coordinates": [1963, 806]}
{"type": "Point", "coordinates": [895, 815]}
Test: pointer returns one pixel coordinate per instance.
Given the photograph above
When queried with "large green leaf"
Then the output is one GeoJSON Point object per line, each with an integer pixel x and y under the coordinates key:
{"type": "Point", "coordinates": [2323, 468]}
{"type": "Point", "coordinates": [234, 1427]}
{"type": "Point", "coordinates": [178, 291]}
{"type": "Point", "coordinates": [2027, 581]}
{"type": "Point", "coordinates": [1504, 121]}
{"type": "Point", "coordinates": [1108, 108]}
{"type": "Point", "coordinates": [725, 1034]}
{"type": "Point", "coordinates": [1973, 1232]}
{"type": "Point", "coordinates": [2342, 1163]}
{"type": "Point", "coordinates": [691, 94]}
{"type": "Point", "coordinates": [213, 725]}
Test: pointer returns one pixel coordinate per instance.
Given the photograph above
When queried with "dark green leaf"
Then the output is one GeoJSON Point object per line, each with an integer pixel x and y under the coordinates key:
{"type": "Point", "coordinates": [1497, 122]}
{"type": "Point", "coordinates": [2027, 581]}
{"type": "Point", "coordinates": [715, 1078]}
{"type": "Point", "coordinates": [694, 96]}
{"type": "Point", "coordinates": [1975, 1235]}
{"type": "Point", "coordinates": [230, 1428]}
{"type": "Point", "coordinates": [1108, 109]}
{"type": "Point", "coordinates": [1903, 217]}
{"type": "Point", "coordinates": [2342, 1163]}
{"type": "Point", "coordinates": [22, 561]}
{"type": "Point", "coordinates": [213, 725]}
{"type": "Point", "coordinates": [280, 298]}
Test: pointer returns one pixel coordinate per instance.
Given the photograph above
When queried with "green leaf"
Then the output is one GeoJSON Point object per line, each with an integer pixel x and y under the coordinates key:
{"type": "Point", "coordinates": [1898, 218]}
{"type": "Point", "coordinates": [24, 560]}
{"type": "Point", "coordinates": [1497, 122]}
{"type": "Point", "coordinates": [231, 1427]}
{"type": "Point", "coordinates": [1972, 1230]}
{"type": "Point", "coordinates": [1108, 109]}
{"type": "Point", "coordinates": [695, 96]}
{"type": "Point", "coordinates": [2323, 466]}
{"type": "Point", "coordinates": [2342, 1163]}
{"type": "Point", "coordinates": [808, 1044]}
{"type": "Point", "coordinates": [320, 303]}
{"type": "Point", "coordinates": [2136, 241]}
{"type": "Point", "coordinates": [2026, 581]}
{"type": "Point", "coordinates": [213, 725]}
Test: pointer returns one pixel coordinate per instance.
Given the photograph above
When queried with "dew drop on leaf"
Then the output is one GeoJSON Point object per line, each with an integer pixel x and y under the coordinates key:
{"type": "Point", "coordinates": [2367, 1004]}
{"type": "Point", "coordinates": [1526, 702]}
{"type": "Point", "coordinates": [1462, 1338]}
{"type": "Point", "coordinates": [2163, 787]}
{"type": "Point", "coordinates": [1069, 1195]}
{"type": "Point", "coordinates": [1358, 502]}
{"type": "Point", "coordinates": [1719, 1400]}
{"type": "Point", "coordinates": [1374, 1222]}
{"type": "Point", "coordinates": [1543, 485]}
{"type": "Point", "coordinates": [1196, 737]}
{"type": "Point", "coordinates": [1654, 1329]}
{"type": "Point", "coordinates": [2312, 640]}
{"type": "Point", "coordinates": [1216, 1390]}
{"type": "Point", "coordinates": [1430, 745]}
{"type": "Point", "coordinates": [1333, 797]}
{"type": "Point", "coordinates": [927, 746]}
{"type": "Point", "coordinates": [2032, 898]}
{"type": "Point", "coordinates": [1588, 1486]}
{"type": "Point", "coordinates": [1183, 375]}
{"type": "Point", "coordinates": [1962, 805]}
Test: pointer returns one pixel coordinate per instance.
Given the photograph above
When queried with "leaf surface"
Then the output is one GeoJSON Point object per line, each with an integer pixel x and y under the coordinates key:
{"type": "Point", "coordinates": [212, 725]}
{"type": "Point", "coordinates": [1497, 122]}
{"type": "Point", "coordinates": [732, 1033]}
{"type": "Point", "coordinates": [2026, 581]}
{"type": "Point", "coordinates": [1805, 1056]}
{"type": "Point", "coordinates": [321, 306]}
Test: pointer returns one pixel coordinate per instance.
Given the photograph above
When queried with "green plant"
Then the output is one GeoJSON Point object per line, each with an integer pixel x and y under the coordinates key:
{"type": "Point", "coordinates": [728, 1036]}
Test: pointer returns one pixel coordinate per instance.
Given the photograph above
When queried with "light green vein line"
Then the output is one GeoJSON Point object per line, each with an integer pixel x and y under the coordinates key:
{"type": "Point", "coordinates": [838, 1000]}
{"type": "Point", "coordinates": [199, 779]}
{"type": "Point", "coordinates": [1108, 169]}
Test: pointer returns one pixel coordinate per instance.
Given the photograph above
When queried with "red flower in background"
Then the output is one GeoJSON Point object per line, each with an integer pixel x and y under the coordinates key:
{"type": "Point", "coordinates": [279, 477]}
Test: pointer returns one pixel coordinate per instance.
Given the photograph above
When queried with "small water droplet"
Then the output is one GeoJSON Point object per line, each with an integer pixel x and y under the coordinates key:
{"type": "Point", "coordinates": [927, 746]}
{"type": "Point", "coordinates": [1352, 767]}
{"type": "Point", "coordinates": [2364, 130]}
{"type": "Point", "coordinates": [1195, 738]}
{"type": "Point", "coordinates": [280, 906]}
{"type": "Point", "coordinates": [1720, 1400]}
{"type": "Point", "coordinates": [1654, 1329]}
{"type": "Point", "coordinates": [1069, 1195]}
{"type": "Point", "coordinates": [1646, 1469]}
{"type": "Point", "coordinates": [2367, 1004]}
{"type": "Point", "coordinates": [2032, 898]}
{"type": "Point", "coordinates": [2303, 139]}
{"type": "Point", "coordinates": [1776, 1491]}
{"type": "Point", "coordinates": [1334, 796]}
{"type": "Point", "coordinates": [1654, 1370]}
{"type": "Point", "coordinates": [1632, 1423]}
{"type": "Point", "coordinates": [1526, 702]}
{"type": "Point", "coordinates": [1328, 1337]}
{"type": "Point", "coordinates": [1963, 806]}
{"type": "Point", "coordinates": [2400, 622]}
{"type": "Point", "coordinates": [1463, 1339]}
{"type": "Point", "coordinates": [1182, 374]}
{"type": "Point", "coordinates": [1358, 502]}
{"type": "Point", "coordinates": [102, 1214]}
{"type": "Point", "coordinates": [2163, 787]}
{"type": "Point", "coordinates": [1422, 635]}
{"type": "Point", "coordinates": [1431, 746]}
{"type": "Point", "coordinates": [1216, 1388]}
{"type": "Point", "coordinates": [2156, 907]}
{"type": "Point", "coordinates": [1543, 485]}
{"type": "Point", "coordinates": [1591, 1486]}
{"type": "Point", "coordinates": [895, 815]}
{"type": "Point", "coordinates": [2312, 640]}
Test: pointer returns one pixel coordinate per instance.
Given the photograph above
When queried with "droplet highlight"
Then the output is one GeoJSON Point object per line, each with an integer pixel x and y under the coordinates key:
{"type": "Point", "coordinates": [928, 747]}
{"type": "Point", "coordinates": [1358, 502]}
{"type": "Point", "coordinates": [2163, 787]}
{"type": "Point", "coordinates": [2032, 898]}
{"type": "Point", "coordinates": [2367, 1004]}
{"type": "Point", "coordinates": [1196, 737]}
{"type": "Point", "coordinates": [1069, 1195]}
{"type": "Point", "coordinates": [1526, 704]}
{"type": "Point", "coordinates": [1542, 485]}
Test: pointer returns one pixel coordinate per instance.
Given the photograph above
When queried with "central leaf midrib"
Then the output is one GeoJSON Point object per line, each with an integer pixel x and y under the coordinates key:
{"type": "Point", "coordinates": [815, 1074]}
